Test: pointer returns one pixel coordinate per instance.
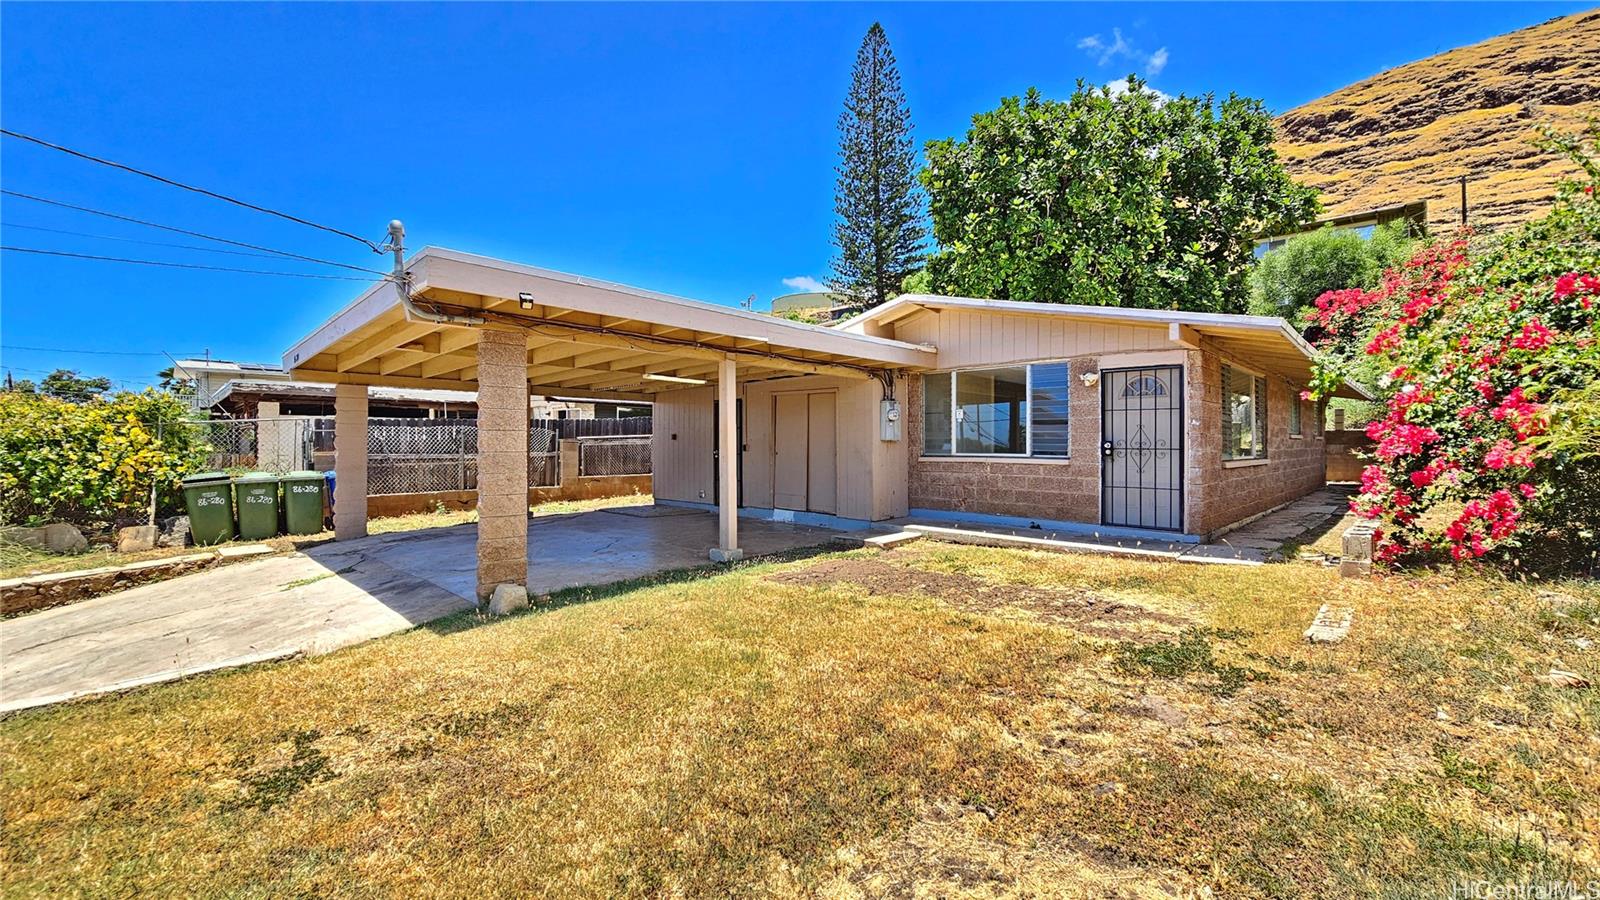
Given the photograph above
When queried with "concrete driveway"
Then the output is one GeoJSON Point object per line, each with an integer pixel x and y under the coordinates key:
{"type": "Point", "coordinates": [334, 595]}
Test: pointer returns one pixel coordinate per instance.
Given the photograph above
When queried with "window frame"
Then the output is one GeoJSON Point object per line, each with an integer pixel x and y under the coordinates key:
{"type": "Point", "coordinates": [1261, 423]}
{"type": "Point", "coordinates": [1297, 414]}
{"type": "Point", "coordinates": [1028, 452]}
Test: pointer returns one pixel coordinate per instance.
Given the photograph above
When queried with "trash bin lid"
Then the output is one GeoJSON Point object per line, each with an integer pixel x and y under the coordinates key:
{"type": "Point", "coordinates": [206, 478]}
{"type": "Point", "coordinates": [303, 475]}
{"type": "Point", "coordinates": [256, 478]}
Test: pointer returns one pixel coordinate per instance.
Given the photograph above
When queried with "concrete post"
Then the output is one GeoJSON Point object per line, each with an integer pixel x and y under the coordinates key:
{"type": "Point", "coordinates": [727, 549]}
{"type": "Point", "coordinates": [350, 461]}
{"type": "Point", "coordinates": [502, 460]}
{"type": "Point", "coordinates": [1357, 559]}
{"type": "Point", "coordinates": [568, 464]}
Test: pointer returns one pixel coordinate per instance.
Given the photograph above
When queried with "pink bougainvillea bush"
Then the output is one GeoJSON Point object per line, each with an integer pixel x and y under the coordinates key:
{"type": "Point", "coordinates": [1482, 350]}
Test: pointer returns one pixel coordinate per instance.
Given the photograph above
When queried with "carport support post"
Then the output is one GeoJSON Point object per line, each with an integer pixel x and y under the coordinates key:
{"type": "Point", "coordinates": [502, 460]}
{"type": "Point", "coordinates": [350, 461]}
{"type": "Point", "coordinates": [727, 549]}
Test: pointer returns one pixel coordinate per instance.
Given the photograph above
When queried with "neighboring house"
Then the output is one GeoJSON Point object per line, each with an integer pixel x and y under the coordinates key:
{"type": "Point", "coordinates": [1415, 215]}
{"type": "Point", "coordinates": [1070, 418]}
{"type": "Point", "coordinates": [815, 306]}
{"type": "Point", "coordinates": [238, 390]}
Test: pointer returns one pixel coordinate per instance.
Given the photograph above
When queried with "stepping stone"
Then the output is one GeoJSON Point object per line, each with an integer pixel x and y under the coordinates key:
{"type": "Point", "coordinates": [1331, 625]}
{"type": "Point", "coordinates": [890, 541]}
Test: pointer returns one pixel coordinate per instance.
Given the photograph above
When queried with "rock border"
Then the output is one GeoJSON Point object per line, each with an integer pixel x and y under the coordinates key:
{"type": "Point", "coordinates": [32, 593]}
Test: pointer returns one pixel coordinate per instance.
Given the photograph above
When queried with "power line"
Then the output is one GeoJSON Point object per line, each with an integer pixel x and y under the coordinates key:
{"type": "Point", "coordinates": [176, 230]}
{"type": "Point", "coordinates": [128, 240]}
{"type": "Point", "coordinates": [189, 187]}
{"type": "Point", "coordinates": [94, 352]}
{"type": "Point", "coordinates": [178, 265]}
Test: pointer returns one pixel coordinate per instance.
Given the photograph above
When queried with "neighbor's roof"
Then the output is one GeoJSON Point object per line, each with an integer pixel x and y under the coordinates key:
{"type": "Point", "coordinates": [584, 336]}
{"type": "Point", "coordinates": [225, 365]}
{"type": "Point", "coordinates": [1267, 342]}
{"type": "Point", "coordinates": [314, 389]}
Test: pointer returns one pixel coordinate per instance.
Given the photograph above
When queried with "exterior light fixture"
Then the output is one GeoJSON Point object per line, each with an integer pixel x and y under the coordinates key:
{"type": "Point", "coordinates": [675, 379]}
{"type": "Point", "coordinates": [525, 300]}
{"type": "Point", "coordinates": [1090, 379]}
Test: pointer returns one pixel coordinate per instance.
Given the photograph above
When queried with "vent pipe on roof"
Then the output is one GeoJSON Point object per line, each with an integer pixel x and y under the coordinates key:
{"type": "Point", "coordinates": [402, 282]}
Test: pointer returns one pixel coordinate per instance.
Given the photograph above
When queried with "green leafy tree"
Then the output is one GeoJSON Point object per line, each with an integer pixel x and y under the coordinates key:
{"type": "Point", "coordinates": [879, 235]}
{"type": "Point", "coordinates": [66, 384]}
{"type": "Point", "coordinates": [1123, 198]}
{"type": "Point", "coordinates": [1288, 280]}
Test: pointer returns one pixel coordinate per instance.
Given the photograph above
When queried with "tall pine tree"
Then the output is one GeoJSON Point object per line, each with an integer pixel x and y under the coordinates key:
{"type": "Point", "coordinates": [880, 231]}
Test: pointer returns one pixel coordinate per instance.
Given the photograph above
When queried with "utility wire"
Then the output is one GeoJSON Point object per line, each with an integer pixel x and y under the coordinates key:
{"type": "Point", "coordinates": [128, 240]}
{"type": "Point", "coordinates": [178, 265]}
{"type": "Point", "coordinates": [95, 352]}
{"type": "Point", "coordinates": [189, 187]}
{"type": "Point", "coordinates": [209, 237]}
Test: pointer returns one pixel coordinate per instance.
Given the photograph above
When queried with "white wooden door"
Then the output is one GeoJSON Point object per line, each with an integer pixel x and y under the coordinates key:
{"type": "Point", "coordinates": [790, 454]}
{"type": "Point", "coordinates": [822, 482]}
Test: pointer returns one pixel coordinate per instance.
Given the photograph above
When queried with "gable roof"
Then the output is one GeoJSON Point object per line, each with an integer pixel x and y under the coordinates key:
{"type": "Point", "coordinates": [1268, 341]}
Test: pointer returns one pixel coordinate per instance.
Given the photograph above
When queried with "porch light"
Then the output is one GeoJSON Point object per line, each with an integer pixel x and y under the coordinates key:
{"type": "Point", "coordinates": [1090, 379]}
{"type": "Point", "coordinates": [525, 300]}
{"type": "Point", "coordinates": [675, 379]}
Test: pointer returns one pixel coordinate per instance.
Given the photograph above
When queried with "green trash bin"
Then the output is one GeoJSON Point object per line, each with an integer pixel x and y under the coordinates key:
{"type": "Point", "coordinates": [302, 502]}
{"type": "Point", "coordinates": [257, 497]}
{"type": "Point", "coordinates": [209, 498]}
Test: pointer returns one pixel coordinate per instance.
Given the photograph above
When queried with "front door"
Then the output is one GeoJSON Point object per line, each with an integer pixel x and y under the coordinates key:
{"type": "Point", "coordinates": [1141, 447]}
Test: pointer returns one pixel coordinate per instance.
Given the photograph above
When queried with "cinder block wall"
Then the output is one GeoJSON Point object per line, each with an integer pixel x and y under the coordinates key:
{"type": "Point", "coordinates": [1217, 494]}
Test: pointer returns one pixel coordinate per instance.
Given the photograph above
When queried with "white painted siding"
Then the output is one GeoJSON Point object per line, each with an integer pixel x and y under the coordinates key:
{"type": "Point", "coordinates": [982, 338]}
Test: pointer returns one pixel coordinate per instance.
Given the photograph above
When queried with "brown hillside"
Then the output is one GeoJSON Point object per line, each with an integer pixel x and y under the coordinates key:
{"type": "Point", "coordinates": [1410, 133]}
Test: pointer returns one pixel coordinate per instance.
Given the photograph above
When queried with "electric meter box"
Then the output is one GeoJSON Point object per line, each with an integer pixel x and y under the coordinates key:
{"type": "Point", "coordinates": [889, 420]}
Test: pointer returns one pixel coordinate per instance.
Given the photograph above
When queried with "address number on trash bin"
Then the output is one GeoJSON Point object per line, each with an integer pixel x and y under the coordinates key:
{"type": "Point", "coordinates": [304, 489]}
{"type": "Point", "coordinates": [213, 500]}
{"type": "Point", "coordinates": [259, 498]}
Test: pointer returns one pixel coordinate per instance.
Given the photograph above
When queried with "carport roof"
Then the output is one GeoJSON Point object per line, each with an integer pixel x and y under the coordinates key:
{"type": "Point", "coordinates": [597, 338]}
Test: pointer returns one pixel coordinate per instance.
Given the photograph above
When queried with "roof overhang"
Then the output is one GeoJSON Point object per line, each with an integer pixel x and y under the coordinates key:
{"type": "Point", "coordinates": [596, 338]}
{"type": "Point", "coordinates": [1263, 342]}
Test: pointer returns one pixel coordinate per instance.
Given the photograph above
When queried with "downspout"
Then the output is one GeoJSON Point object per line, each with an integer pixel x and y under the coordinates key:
{"type": "Point", "coordinates": [402, 282]}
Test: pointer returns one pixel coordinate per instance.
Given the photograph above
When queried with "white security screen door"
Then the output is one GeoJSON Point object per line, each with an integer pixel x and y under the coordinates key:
{"type": "Point", "coordinates": [1141, 447]}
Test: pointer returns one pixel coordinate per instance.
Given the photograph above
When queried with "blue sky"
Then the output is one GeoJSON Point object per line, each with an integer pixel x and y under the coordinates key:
{"type": "Point", "coordinates": [683, 148]}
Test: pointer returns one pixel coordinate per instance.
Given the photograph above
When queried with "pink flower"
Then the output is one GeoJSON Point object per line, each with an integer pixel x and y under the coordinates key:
{"type": "Point", "coordinates": [1534, 336]}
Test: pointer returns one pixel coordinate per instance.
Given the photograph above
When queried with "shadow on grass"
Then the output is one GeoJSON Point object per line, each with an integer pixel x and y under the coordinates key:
{"type": "Point", "coordinates": [474, 618]}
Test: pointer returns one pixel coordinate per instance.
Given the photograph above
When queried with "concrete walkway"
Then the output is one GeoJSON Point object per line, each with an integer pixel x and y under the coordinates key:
{"type": "Point", "coordinates": [1252, 544]}
{"type": "Point", "coordinates": [334, 595]}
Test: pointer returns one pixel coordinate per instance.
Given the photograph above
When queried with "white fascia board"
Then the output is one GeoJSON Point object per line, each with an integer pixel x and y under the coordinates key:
{"type": "Point", "coordinates": [372, 302]}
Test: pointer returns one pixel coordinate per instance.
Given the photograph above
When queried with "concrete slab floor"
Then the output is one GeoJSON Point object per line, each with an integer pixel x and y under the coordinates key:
{"type": "Point", "coordinates": [330, 596]}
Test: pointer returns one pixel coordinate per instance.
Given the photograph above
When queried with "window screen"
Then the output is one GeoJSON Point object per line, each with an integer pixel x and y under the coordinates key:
{"type": "Point", "coordinates": [1244, 415]}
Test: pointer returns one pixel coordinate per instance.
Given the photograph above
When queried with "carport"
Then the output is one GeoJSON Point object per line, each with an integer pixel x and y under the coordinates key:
{"type": "Point", "coordinates": [459, 321]}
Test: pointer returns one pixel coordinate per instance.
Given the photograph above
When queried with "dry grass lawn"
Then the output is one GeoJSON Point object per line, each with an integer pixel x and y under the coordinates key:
{"type": "Point", "coordinates": [935, 721]}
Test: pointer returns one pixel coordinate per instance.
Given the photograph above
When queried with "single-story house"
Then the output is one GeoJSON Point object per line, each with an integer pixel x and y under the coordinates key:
{"type": "Point", "coordinates": [1133, 421]}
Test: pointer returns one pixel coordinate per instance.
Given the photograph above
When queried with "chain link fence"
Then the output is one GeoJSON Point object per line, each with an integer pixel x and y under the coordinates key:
{"type": "Point", "coordinates": [613, 456]}
{"type": "Point", "coordinates": [264, 445]}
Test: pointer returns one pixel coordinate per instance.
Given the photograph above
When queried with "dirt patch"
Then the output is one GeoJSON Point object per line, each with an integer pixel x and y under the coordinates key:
{"type": "Point", "coordinates": [1078, 608]}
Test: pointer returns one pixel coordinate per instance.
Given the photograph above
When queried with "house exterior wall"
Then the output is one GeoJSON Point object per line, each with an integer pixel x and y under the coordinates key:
{"type": "Point", "coordinates": [870, 473]}
{"type": "Point", "coordinates": [1218, 493]}
{"type": "Point", "coordinates": [970, 338]}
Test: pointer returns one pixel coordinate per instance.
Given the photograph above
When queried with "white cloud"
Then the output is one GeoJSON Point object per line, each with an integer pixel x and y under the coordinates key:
{"type": "Point", "coordinates": [1157, 62]}
{"type": "Point", "coordinates": [805, 283]}
{"type": "Point", "coordinates": [1120, 48]}
{"type": "Point", "coordinates": [1118, 87]}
